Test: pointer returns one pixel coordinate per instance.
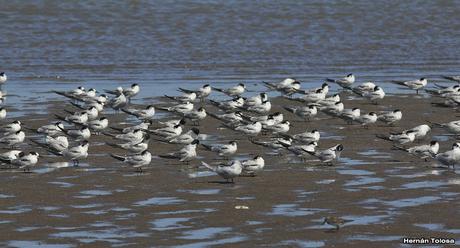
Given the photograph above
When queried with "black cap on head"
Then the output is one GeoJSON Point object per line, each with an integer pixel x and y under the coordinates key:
{"type": "Point", "coordinates": [433, 142]}
{"type": "Point", "coordinates": [241, 84]}
{"type": "Point", "coordinates": [324, 85]}
{"type": "Point", "coordinates": [2, 73]}
{"type": "Point", "coordinates": [144, 152]}
{"type": "Point", "coordinates": [354, 109]}
{"type": "Point", "coordinates": [396, 110]}
{"type": "Point", "coordinates": [182, 122]}
{"type": "Point", "coordinates": [201, 109]}
{"type": "Point", "coordinates": [195, 142]}
{"type": "Point", "coordinates": [134, 85]}
{"type": "Point", "coordinates": [206, 85]}
{"type": "Point", "coordinates": [84, 142]}
{"type": "Point", "coordinates": [195, 130]}
{"type": "Point", "coordinates": [339, 148]}
{"type": "Point", "coordinates": [422, 78]}
{"type": "Point", "coordinates": [349, 75]}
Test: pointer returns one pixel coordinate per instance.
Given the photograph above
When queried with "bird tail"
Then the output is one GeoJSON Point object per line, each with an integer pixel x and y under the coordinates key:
{"type": "Point", "coordinates": [398, 82]}
{"type": "Point", "coordinates": [381, 136]}
{"type": "Point", "coordinates": [448, 78]}
{"type": "Point", "coordinates": [117, 129]}
{"type": "Point", "coordinates": [330, 80]}
{"type": "Point", "coordinates": [210, 167]}
{"type": "Point", "coordinates": [218, 89]}
{"type": "Point", "coordinates": [432, 92]}
{"type": "Point", "coordinates": [60, 117]}
{"type": "Point", "coordinates": [435, 123]}
{"type": "Point", "coordinates": [167, 156]}
{"type": "Point", "coordinates": [269, 85]}
{"type": "Point", "coordinates": [117, 157]}
{"type": "Point", "coordinates": [77, 105]}
{"type": "Point", "coordinates": [109, 134]}
{"type": "Point", "coordinates": [440, 86]}
{"type": "Point", "coordinates": [163, 108]}
{"type": "Point", "coordinates": [214, 116]}
{"type": "Point", "coordinates": [214, 102]}
{"type": "Point", "coordinates": [399, 148]}
{"type": "Point", "coordinates": [127, 111]}
{"type": "Point", "coordinates": [112, 145]}
{"type": "Point", "coordinates": [289, 109]}
{"type": "Point", "coordinates": [356, 91]}
{"type": "Point", "coordinates": [185, 90]}
{"type": "Point", "coordinates": [208, 147]}
{"type": "Point", "coordinates": [170, 97]}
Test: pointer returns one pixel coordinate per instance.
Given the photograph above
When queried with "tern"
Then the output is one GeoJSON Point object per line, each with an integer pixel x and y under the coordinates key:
{"type": "Point", "coordinates": [228, 117]}
{"type": "Point", "coordinates": [328, 155]}
{"type": "Point", "coordinates": [401, 138]}
{"type": "Point", "coordinates": [11, 127]}
{"type": "Point", "coordinates": [24, 161]}
{"type": "Point", "coordinates": [366, 119]}
{"type": "Point", "coordinates": [133, 136]}
{"type": "Point", "coordinates": [422, 151]}
{"type": "Point", "coordinates": [344, 82]}
{"type": "Point", "coordinates": [229, 105]}
{"type": "Point", "coordinates": [233, 91]}
{"type": "Point", "coordinates": [185, 138]}
{"type": "Point", "coordinates": [135, 160]}
{"type": "Point", "coordinates": [3, 78]}
{"type": "Point", "coordinates": [304, 112]}
{"type": "Point", "coordinates": [256, 100]}
{"type": "Point", "coordinates": [390, 117]}
{"type": "Point", "coordinates": [141, 114]}
{"type": "Point", "coordinates": [413, 84]}
{"type": "Point", "coordinates": [452, 78]}
{"type": "Point", "coordinates": [286, 87]}
{"type": "Point", "coordinates": [186, 154]}
{"type": "Point", "coordinates": [254, 165]}
{"type": "Point", "coordinates": [179, 108]}
{"type": "Point", "coordinates": [305, 137]}
{"type": "Point", "coordinates": [203, 92]}
{"type": "Point", "coordinates": [135, 146]}
{"type": "Point", "coordinates": [450, 157]}
{"type": "Point", "coordinates": [223, 150]}
{"type": "Point", "coordinates": [228, 170]}
{"type": "Point", "coordinates": [186, 97]}
{"type": "Point", "coordinates": [12, 139]}
{"type": "Point", "coordinates": [78, 134]}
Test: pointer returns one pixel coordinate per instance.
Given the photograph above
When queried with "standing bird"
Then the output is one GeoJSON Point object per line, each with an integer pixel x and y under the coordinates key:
{"type": "Point", "coordinates": [203, 92]}
{"type": "Point", "coordinates": [228, 170]}
{"type": "Point", "coordinates": [135, 160]}
{"type": "Point", "coordinates": [450, 157]}
{"type": "Point", "coordinates": [344, 82]}
{"type": "Point", "coordinates": [233, 91]}
{"type": "Point", "coordinates": [390, 117]}
{"type": "Point", "coordinates": [366, 119]}
{"type": "Point", "coordinates": [118, 102]}
{"type": "Point", "coordinates": [12, 139]}
{"type": "Point", "coordinates": [185, 97]}
{"type": "Point", "coordinates": [373, 95]}
{"type": "Point", "coordinates": [288, 86]}
{"type": "Point", "coordinates": [254, 165]}
{"type": "Point", "coordinates": [413, 84]}
{"type": "Point", "coordinates": [133, 146]}
{"type": "Point", "coordinates": [3, 78]}
{"type": "Point", "coordinates": [24, 161]}
{"type": "Point", "coordinates": [186, 154]}
{"type": "Point", "coordinates": [328, 155]}
{"type": "Point", "coordinates": [75, 153]}
{"type": "Point", "coordinates": [223, 150]}
{"type": "Point", "coordinates": [11, 127]}
{"type": "Point", "coordinates": [422, 151]}
{"type": "Point", "coordinates": [304, 112]}
{"type": "Point", "coordinates": [2, 113]}
{"type": "Point", "coordinates": [401, 138]}
{"type": "Point", "coordinates": [141, 114]}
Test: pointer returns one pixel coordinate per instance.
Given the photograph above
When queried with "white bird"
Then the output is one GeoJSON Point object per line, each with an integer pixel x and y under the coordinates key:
{"type": "Point", "coordinates": [328, 155]}
{"type": "Point", "coordinates": [186, 154]}
{"type": "Point", "coordinates": [344, 82]}
{"type": "Point", "coordinates": [135, 160]}
{"type": "Point", "coordinates": [334, 109]}
{"type": "Point", "coordinates": [254, 165]}
{"type": "Point", "coordinates": [143, 126]}
{"type": "Point", "coordinates": [133, 136]}
{"type": "Point", "coordinates": [282, 127]}
{"type": "Point", "coordinates": [444, 91]}
{"type": "Point", "coordinates": [256, 100]}
{"type": "Point", "coordinates": [233, 91]}
{"type": "Point", "coordinates": [288, 86]}
{"type": "Point", "coordinates": [2, 113]}
{"type": "Point", "coordinates": [305, 137]}
{"type": "Point", "coordinates": [251, 129]}
{"type": "Point", "coordinates": [223, 150]}
{"type": "Point", "coordinates": [92, 113]}
{"type": "Point", "coordinates": [350, 115]}
{"type": "Point", "coordinates": [11, 127]}
{"type": "Point", "coordinates": [228, 117]}
{"type": "Point", "coordinates": [302, 151]}
{"type": "Point", "coordinates": [3, 78]}
{"type": "Point", "coordinates": [228, 170]}
{"type": "Point", "coordinates": [262, 108]}
{"type": "Point", "coordinates": [420, 131]}
{"type": "Point", "coordinates": [401, 138]}
{"type": "Point", "coordinates": [450, 157]}
{"type": "Point", "coordinates": [274, 143]}
{"type": "Point", "coordinates": [413, 84]}
{"type": "Point", "coordinates": [186, 97]}
{"type": "Point", "coordinates": [179, 108]}
{"type": "Point", "coordinates": [229, 105]}
{"type": "Point", "coordinates": [203, 92]}
{"type": "Point", "coordinates": [195, 115]}
{"type": "Point", "coordinates": [367, 86]}
{"type": "Point", "coordinates": [304, 112]}
{"type": "Point", "coordinates": [373, 95]}
{"type": "Point", "coordinates": [367, 119]}
{"type": "Point", "coordinates": [10, 155]}
{"type": "Point", "coordinates": [141, 114]}
{"type": "Point", "coordinates": [24, 161]}
{"type": "Point", "coordinates": [75, 153]}
{"type": "Point", "coordinates": [99, 124]}
{"type": "Point", "coordinates": [78, 134]}
{"type": "Point", "coordinates": [135, 146]}
{"type": "Point", "coordinates": [50, 129]}
{"type": "Point", "coordinates": [312, 97]}
{"type": "Point", "coordinates": [58, 144]}
{"type": "Point", "coordinates": [12, 139]}
{"type": "Point", "coordinates": [172, 123]}
{"type": "Point", "coordinates": [77, 117]}
{"type": "Point", "coordinates": [97, 104]}
{"type": "Point", "coordinates": [79, 91]}
{"type": "Point", "coordinates": [452, 78]}
{"type": "Point", "coordinates": [130, 92]}
{"type": "Point", "coordinates": [168, 132]}
{"type": "Point", "coordinates": [452, 127]}
{"type": "Point", "coordinates": [390, 117]}
{"type": "Point", "coordinates": [118, 102]}
{"type": "Point", "coordinates": [422, 151]}
{"type": "Point", "coordinates": [185, 138]}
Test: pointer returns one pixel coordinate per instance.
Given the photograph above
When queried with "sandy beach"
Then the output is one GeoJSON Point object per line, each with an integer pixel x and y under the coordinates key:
{"type": "Point", "coordinates": [383, 194]}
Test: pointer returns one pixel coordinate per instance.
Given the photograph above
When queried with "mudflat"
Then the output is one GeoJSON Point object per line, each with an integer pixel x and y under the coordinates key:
{"type": "Point", "coordinates": [382, 194]}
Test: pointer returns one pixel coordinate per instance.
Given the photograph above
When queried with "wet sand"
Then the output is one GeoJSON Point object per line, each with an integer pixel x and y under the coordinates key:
{"type": "Point", "coordinates": [384, 194]}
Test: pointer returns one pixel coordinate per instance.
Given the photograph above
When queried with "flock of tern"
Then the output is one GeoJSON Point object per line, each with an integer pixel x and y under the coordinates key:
{"type": "Point", "coordinates": [69, 136]}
